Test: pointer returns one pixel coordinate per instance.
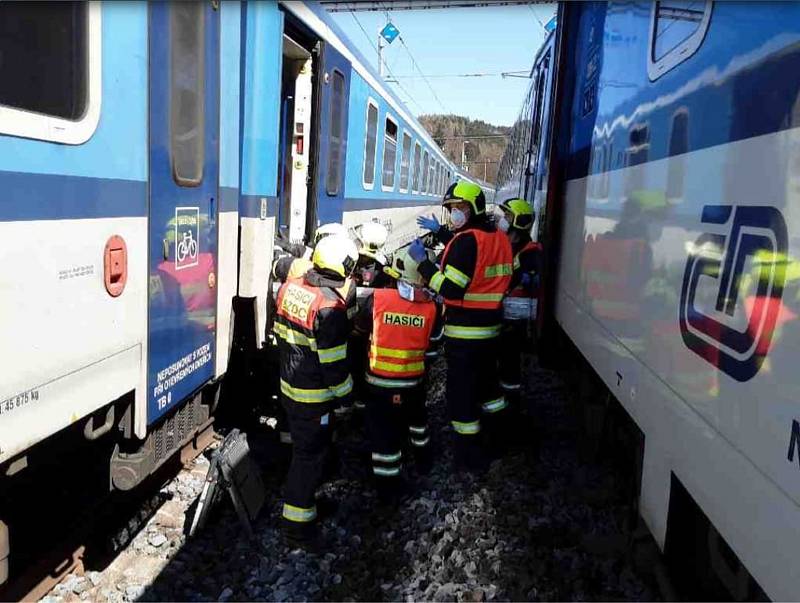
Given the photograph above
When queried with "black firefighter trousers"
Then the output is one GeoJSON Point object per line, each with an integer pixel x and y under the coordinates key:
{"type": "Point", "coordinates": [474, 400]}
{"type": "Point", "coordinates": [310, 426]}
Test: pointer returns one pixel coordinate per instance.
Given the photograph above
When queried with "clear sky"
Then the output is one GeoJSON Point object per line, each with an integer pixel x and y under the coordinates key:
{"type": "Point", "coordinates": [457, 41]}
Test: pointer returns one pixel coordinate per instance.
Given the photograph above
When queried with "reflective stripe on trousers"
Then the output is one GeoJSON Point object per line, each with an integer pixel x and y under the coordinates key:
{"type": "Point", "coordinates": [299, 514]}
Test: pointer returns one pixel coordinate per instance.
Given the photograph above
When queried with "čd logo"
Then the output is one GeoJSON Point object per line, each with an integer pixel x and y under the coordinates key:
{"type": "Point", "coordinates": [732, 287]}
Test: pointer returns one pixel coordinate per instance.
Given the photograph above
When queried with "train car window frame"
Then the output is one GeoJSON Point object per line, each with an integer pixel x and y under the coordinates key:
{"type": "Point", "coordinates": [333, 185]}
{"type": "Point", "coordinates": [405, 162]}
{"type": "Point", "coordinates": [385, 172]}
{"type": "Point", "coordinates": [17, 121]}
{"type": "Point", "coordinates": [426, 173]}
{"type": "Point", "coordinates": [187, 153]}
{"type": "Point", "coordinates": [682, 51]}
{"type": "Point", "coordinates": [369, 185]}
{"type": "Point", "coordinates": [415, 184]}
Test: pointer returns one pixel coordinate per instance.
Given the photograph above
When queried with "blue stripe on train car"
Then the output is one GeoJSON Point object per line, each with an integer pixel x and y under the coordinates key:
{"type": "Point", "coordinates": [48, 181]}
{"type": "Point", "coordinates": [230, 42]}
{"type": "Point", "coordinates": [260, 122]}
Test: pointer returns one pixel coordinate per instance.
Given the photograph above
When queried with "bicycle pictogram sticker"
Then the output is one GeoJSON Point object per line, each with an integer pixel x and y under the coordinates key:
{"type": "Point", "coordinates": [187, 237]}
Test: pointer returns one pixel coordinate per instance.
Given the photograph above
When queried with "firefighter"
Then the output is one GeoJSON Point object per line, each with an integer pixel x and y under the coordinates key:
{"type": "Point", "coordinates": [440, 232]}
{"type": "Point", "coordinates": [312, 328]}
{"type": "Point", "coordinates": [474, 276]}
{"type": "Point", "coordinates": [516, 220]}
{"type": "Point", "coordinates": [294, 264]}
{"type": "Point", "coordinates": [399, 321]}
{"type": "Point", "coordinates": [372, 237]}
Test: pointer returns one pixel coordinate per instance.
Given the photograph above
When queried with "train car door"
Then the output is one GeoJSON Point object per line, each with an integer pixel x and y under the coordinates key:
{"type": "Point", "coordinates": [183, 179]}
{"type": "Point", "coordinates": [295, 139]}
{"type": "Point", "coordinates": [335, 92]}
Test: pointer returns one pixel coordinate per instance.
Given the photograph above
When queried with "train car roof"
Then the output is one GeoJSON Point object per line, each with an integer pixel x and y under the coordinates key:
{"type": "Point", "coordinates": [318, 19]}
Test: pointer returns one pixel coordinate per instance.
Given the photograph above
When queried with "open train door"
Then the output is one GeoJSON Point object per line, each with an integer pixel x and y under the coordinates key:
{"type": "Point", "coordinates": [183, 179]}
{"type": "Point", "coordinates": [334, 87]}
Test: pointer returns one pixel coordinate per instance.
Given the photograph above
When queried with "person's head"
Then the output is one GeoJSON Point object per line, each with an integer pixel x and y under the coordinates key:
{"type": "Point", "coordinates": [466, 203]}
{"type": "Point", "coordinates": [335, 256]}
{"type": "Point", "coordinates": [517, 217]}
{"type": "Point", "coordinates": [406, 270]}
{"type": "Point", "coordinates": [326, 230]}
{"type": "Point", "coordinates": [372, 237]}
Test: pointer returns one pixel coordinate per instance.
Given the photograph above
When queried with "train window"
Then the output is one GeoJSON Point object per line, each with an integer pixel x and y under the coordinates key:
{"type": "Point", "coordinates": [677, 29]}
{"type": "Point", "coordinates": [417, 164]}
{"type": "Point", "coordinates": [370, 144]}
{"type": "Point", "coordinates": [187, 92]}
{"type": "Point", "coordinates": [50, 70]}
{"type": "Point", "coordinates": [335, 139]}
{"type": "Point", "coordinates": [389, 154]}
{"type": "Point", "coordinates": [678, 147]}
{"type": "Point", "coordinates": [425, 173]}
{"type": "Point", "coordinates": [405, 162]}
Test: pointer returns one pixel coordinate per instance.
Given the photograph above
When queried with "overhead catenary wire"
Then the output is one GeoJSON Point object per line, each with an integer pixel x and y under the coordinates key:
{"type": "Point", "coordinates": [524, 72]}
{"type": "Point", "coordinates": [375, 48]}
{"type": "Point", "coordinates": [416, 66]}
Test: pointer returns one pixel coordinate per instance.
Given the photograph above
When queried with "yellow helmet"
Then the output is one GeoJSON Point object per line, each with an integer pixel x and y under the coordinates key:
{"type": "Point", "coordinates": [520, 211]}
{"type": "Point", "coordinates": [404, 267]}
{"type": "Point", "coordinates": [463, 191]}
{"type": "Point", "coordinates": [335, 254]}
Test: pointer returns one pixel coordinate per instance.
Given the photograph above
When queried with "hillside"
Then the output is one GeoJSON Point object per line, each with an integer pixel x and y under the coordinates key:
{"type": "Point", "coordinates": [450, 132]}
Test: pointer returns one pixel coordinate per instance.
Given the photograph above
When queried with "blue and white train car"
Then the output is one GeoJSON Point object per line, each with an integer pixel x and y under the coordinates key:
{"type": "Point", "coordinates": [148, 153]}
{"type": "Point", "coordinates": [672, 228]}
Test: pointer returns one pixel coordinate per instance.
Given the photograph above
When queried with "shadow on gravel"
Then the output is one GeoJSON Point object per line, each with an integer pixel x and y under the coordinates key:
{"type": "Point", "coordinates": [535, 526]}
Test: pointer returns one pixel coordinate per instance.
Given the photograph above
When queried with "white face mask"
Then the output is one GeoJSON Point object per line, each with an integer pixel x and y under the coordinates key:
{"type": "Point", "coordinates": [457, 218]}
{"type": "Point", "coordinates": [503, 225]}
{"type": "Point", "coordinates": [405, 290]}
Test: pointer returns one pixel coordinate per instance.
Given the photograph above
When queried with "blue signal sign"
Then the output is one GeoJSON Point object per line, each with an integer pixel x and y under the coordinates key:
{"type": "Point", "coordinates": [389, 32]}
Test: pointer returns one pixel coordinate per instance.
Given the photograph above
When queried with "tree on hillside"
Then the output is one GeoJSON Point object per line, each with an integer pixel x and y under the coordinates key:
{"type": "Point", "coordinates": [482, 155]}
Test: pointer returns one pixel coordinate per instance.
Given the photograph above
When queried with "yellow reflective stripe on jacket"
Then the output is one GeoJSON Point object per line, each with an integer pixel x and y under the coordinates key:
{"type": "Point", "coordinates": [493, 297]}
{"type": "Point", "coordinates": [470, 428]}
{"type": "Point", "coordinates": [307, 396]}
{"type": "Point", "coordinates": [459, 332]}
{"type": "Point", "coordinates": [384, 382]}
{"type": "Point", "coordinates": [388, 472]}
{"type": "Point", "coordinates": [436, 281]}
{"type": "Point", "coordinates": [299, 514]}
{"type": "Point", "coordinates": [291, 336]}
{"type": "Point", "coordinates": [395, 353]}
{"type": "Point", "coordinates": [497, 270]}
{"type": "Point", "coordinates": [397, 368]}
{"type": "Point", "coordinates": [327, 355]}
{"type": "Point", "coordinates": [517, 263]}
{"type": "Point", "coordinates": [344, 388]}
{"type": "Point", "coordinates": [455, 275]}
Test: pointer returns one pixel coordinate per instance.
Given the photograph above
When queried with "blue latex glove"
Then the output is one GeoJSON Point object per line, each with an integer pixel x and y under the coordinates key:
{"type": "Point", "coordinates": [417, 251]}
{"type": "Point", "coordinates": [431, 224]}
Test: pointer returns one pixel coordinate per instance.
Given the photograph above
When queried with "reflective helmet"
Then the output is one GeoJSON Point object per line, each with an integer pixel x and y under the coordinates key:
{"type": "Point", "coordinates": [373, 236]}
{"type": "Point", "coordinates": [404, 267]}
{"type": "Point", "coordinates": [336, 254]}
{"type": "Point", "coordinates": [333, 228]}
{"type": "Point", "coordinates": [467, 192]}
{"type": "Point", "coordinates": [519, 212]}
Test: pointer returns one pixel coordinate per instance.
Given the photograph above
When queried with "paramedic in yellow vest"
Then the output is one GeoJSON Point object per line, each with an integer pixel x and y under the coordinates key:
{"type": "Point", "coordinates": [399, 321]}
{"type": "Point", "coordinates": [474, 276]}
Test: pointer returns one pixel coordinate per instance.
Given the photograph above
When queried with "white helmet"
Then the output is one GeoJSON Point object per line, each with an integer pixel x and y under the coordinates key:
{"type": "Point", "coordinates": [332, 228]}
{"type": "Point", "coordinates": [336, 254]}
{"type": "Point", "coordinates": [373, 236]}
